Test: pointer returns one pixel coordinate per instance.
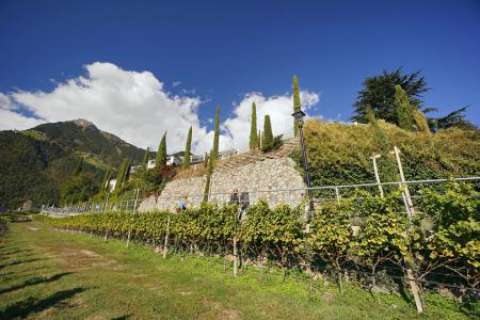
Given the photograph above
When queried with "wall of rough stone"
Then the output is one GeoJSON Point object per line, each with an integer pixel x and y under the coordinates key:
{"type": "Point", "coordinates": [270, 179]}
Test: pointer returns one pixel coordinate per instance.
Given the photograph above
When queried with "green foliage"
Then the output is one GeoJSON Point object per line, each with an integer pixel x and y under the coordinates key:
{"type": "Point", "coordinates": [253, 128]}
{"type": "Point", "coordinates": [206, 191]}
{"type": "Point", "coordinates": [455, 119]}
{"type": "Point", "coordinates": [146, 158]}
{"type": "Point", "coordinates": [421, 122]}
{"type": "Point", "coordinates": [79, 167]}
{"type": "Point", "coordinates": [403, 109]}
{"type": "Point", "coordinates": [365, 230]}
{"type": "Point", "coordinates": [378, 92]}
{"type": "Point", "coordinates": [297, 104]}
{"type": "Point", "coordinates": [259, 140]}
{"type": "Point", "coordinates": [267, 139]}
{"type": "Point", "coordinates": [122, 176]}
{"type": "Point", "coordinates": [205, 160]}
{"type": "Point", "coordinates": [78, 188]}
{"type": "Point", "coordinates": [37, 164]}
{"type": "Point", "coordinates": [216, 136]}
{"type": "Point", "coordinates": [340, 154]}
{"type": "Point", "coordinates": [188, 148]}
{"type": "Point", "coordinates": [161, 159]}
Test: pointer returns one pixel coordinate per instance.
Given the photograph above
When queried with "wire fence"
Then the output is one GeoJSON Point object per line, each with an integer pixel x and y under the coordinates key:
{"type": "Point", "coordinates": [137, 201]}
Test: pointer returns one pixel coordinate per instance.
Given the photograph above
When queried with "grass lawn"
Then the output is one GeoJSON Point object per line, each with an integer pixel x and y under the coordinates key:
{"type": "Point", "coordinates": [48, 274]}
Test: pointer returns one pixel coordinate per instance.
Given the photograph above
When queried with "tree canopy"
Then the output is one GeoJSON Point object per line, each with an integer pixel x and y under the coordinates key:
{"type": "Point", "coordinates": [378, 92]}
{"type": "Point", "coordinates": [162, 152]}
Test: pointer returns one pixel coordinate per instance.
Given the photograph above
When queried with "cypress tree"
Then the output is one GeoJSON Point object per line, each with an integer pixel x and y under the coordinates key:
{"type": "Point", "coordinates": [209, 175]}
{"type": "Point", "coordinates": [403, 109]}
{"type": "Point", "coordinates": [121, 175]}
{"type": "Point", "coordinates": [145, 158]}
{"type": "Point", "coordinates": [253, 128]}
{"type": "Point", "coordinates": [78, 168]}
{"type": "Point", "coordinates": [205, 160]}
{"type": "Point", "coordinates": [421, 122]}
{"type": "Point", "coordinates": [188, 147]}
{"type": "Point", "coordinates": [161, 159]}
{"type": "Point", "coordinates": [259, 140]}
{"type": "Point", "coordinates": [267, 139]}
{"type": "Point", "coordinates": [216, 135]}
{"type": "Point", "coordinates": [106, 179]}
{"type": "Point", "coordinates": [297, 105]}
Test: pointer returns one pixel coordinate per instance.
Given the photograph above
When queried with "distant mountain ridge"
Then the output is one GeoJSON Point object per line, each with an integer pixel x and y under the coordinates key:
{"type": "Point", "coordinates": [35, 163]}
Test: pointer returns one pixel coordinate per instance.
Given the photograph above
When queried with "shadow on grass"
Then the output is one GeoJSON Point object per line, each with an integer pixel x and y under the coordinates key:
{"type": "Point", "coordinates": [35, 281]}
{"type": "Point", "coordinates": [25, 307]}
{"type": "Point", "coordinates": [17, 262]}
{"type": "Point", "coordinates": [125, 317]}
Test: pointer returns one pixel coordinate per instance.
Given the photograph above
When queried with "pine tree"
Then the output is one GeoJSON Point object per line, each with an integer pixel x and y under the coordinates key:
{"type": "Point", "coordinates": [188, 148]}
{"type": "Point", "coordinates": [253, 128]}
{"type": "Point", "coordinates": [403, 109]}
{"type": "Point", "coordinates": [161, 159]}
{"type": "Point", "coordinates": [267, 139]}
{"type": "Point", "coordinates": [216, 135]}
{"type": "Point", "coordinates": [145, 158]}
{"type": "Point", "coordinates": [297, 105]}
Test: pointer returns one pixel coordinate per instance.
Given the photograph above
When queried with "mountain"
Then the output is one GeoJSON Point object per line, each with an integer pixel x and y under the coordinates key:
{"type": "Point", "coordinates": [41, 164]}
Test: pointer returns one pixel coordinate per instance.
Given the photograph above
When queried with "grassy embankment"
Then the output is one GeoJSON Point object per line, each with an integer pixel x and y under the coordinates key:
{"type": "Point", "coordinates": [47, 274]}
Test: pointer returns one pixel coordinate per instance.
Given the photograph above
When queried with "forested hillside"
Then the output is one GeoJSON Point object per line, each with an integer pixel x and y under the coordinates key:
{"type": "Point", "coordinates": [51, 162]}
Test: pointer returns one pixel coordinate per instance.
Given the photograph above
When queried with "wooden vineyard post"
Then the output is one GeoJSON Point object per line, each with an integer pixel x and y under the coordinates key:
{"type": "Point", "coordinates": [235, 256]}
{"type": "Point", "coordinates": [407, 200]}
{"type": "Point", "coordinates": [165, 242]}
{"type": "Point", "coordinates": [377, 176]}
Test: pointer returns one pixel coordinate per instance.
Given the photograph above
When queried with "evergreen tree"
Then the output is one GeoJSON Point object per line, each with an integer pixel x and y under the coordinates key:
{"type": "Point", "coordinates": [122, 175]}
{"type": "Point", "coordinates": [259, 140]}
{"type": "Point", "coordinates": [145, 158]}
{"type": "Point", "coordinates": [106, 179]}
{"type": "Point", "coordinates": [78, 168]}
{"type": "Point", "coordinates": [209, 175]}
{"type": "Point", "coordinates": [253, 128]}
{"type": "Point", "coordinates": [216, 135]}
{"type": "Point", "coordinates": [378, 92]}
{"type": "Point", "coordinates": [205, 160]}
{"type": "Point", "coordinates": [403, 109]}
{"type": "Point", "coordinates": [372, 120]}
{"type": "Point", "coordinates": [267, 139]}
{"type": "Point", "coordinates": [421, 122]}
{"type": "Point", "coordinates": [161, 159]}
{"type": "Point", "coordinates": [188, 148]}
{"type": "Point", "coordinates": [297, 105]}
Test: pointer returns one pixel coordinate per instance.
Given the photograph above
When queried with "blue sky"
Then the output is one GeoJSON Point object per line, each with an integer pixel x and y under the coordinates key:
{"type": "Point", "coordinates": [220, 51]}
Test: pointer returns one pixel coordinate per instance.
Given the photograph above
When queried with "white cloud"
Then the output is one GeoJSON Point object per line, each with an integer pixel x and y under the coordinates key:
{"type": "Point", "coordinates": [136, 107]}
{"type": "Point", "coordinates": [278, 107]}
{"type": "Point", "coordinates": [10, 118]}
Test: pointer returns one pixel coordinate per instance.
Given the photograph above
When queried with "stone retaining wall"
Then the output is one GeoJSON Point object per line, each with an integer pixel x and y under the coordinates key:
{"type": "Point", "coordinates": [270, 179]}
